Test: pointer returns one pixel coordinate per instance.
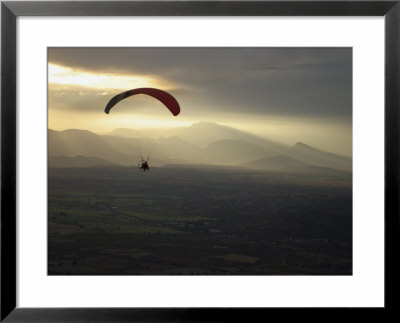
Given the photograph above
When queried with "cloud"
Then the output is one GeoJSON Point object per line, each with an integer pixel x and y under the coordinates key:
{"type": "Point", "coordinates": [81, 100]}
{"type": "Point", "coordinates": [281, 81]}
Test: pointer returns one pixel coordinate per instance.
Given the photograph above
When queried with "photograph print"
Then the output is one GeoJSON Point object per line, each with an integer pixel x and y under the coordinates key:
{"type": "Point", "coordinates": [200, 161]}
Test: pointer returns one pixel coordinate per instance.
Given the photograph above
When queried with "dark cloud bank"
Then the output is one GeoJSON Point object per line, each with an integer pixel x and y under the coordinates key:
{"type": "Point", "coordinates": [301, 82]}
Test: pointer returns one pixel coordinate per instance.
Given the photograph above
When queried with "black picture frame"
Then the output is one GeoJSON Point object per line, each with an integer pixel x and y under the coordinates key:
{"type": "Point", "coordinates": [11, 10]}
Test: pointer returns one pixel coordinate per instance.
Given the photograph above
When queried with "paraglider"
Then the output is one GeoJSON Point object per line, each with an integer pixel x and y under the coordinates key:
{"type": "Point", "coordinates": [165, 98]}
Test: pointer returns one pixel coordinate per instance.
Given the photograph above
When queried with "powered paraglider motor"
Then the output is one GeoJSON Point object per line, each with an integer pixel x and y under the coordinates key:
{"type": "Point", "coordinates": [144, 164]}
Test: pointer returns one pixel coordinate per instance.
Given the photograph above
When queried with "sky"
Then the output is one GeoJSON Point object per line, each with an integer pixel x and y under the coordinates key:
{"type": "Point", "coordinates": [284, 94]}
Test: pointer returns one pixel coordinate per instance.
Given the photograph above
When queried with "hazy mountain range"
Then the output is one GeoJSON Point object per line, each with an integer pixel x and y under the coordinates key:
{"type": "Point", "coordinates": [201, 143]}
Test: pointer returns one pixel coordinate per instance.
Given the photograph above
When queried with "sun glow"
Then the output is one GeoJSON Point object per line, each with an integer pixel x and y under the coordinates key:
{"type": "Point", "coordinates": [142, 122]}
{"type": "Point", "coordinates": [101, 123]}
{"type": "Point", "coordinates": [62, 75]}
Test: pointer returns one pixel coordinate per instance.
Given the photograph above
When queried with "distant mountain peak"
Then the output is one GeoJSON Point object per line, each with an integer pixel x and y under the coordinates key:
{"type": "Point", "coordinates": [302, 145]}
{"type": "Point", "coordinates": [77, 131]}
{"type": "Point", "coordinates": [203, 124]}
{"type": "Point", "coordinates": [284, 158]}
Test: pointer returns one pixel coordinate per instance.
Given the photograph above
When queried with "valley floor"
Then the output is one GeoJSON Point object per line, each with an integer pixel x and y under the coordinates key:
{"type": "Point", "coordinates": [198, 221]}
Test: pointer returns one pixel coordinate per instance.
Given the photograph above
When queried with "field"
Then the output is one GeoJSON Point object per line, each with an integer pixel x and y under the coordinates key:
{"type": "Point", "coordinates": [198, 221]}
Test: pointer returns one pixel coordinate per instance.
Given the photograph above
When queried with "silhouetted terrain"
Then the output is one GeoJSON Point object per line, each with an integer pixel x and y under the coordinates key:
{"type": "Point", "coordinates": [276, 162]}
{"type": "Point", "coordinates": [201, 143]}
{"type": "Point", "coordinates": [199, 220]}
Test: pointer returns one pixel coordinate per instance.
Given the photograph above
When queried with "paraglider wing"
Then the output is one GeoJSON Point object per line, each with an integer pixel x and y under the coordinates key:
{"type": "Point", "coordinates": [167, 99]}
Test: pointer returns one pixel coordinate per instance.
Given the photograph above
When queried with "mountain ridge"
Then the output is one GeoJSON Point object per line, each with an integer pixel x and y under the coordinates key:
{"type": "Point", "coordinates": [218, 145]}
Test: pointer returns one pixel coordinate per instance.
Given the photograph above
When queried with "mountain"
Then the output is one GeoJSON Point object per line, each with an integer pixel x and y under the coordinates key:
{"type": "Point", "coordinates": [313, 156]}
{"type": "Point", "coordinates": [74, 142]}
{"type": "Point", "coordinates": [199, 134]}
{"type": "Point", "coordinates": [127, 133]}
{"type": "Point", "coordinates": [234, 151]}
{"type": "Point", "coordinates": [223, 144]}
{"type": "Point", "coordinates": [144, 133]}
{"type": "Point", "coordinates": [202, 143]}
{"type": "Point", "coordinates": [205, 133]}
{"type": "Point", "coordinates": [279, 162]}
{"type": "Point", "coordinates": [121, 151]}
{"type": "Point", "coordinates": [77, 161]}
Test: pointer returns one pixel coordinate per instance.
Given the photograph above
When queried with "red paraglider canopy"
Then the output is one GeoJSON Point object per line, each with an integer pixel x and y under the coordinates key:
{"type": "Point", "coordinates": [167, 99]}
